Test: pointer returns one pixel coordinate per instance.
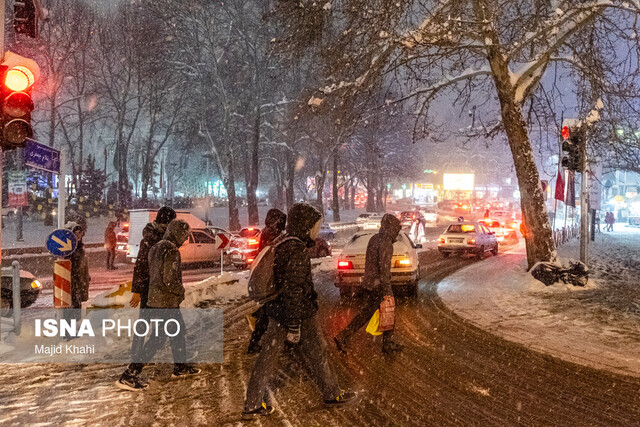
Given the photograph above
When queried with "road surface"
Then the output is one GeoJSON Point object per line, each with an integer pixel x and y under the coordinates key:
{"type": "Point", "coordinates": [450, 373]}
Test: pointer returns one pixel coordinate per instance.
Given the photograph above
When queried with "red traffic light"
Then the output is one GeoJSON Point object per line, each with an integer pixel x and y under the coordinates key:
{"type": "Point", "coordinates": [565, 132]}
{"type": "Point", "coordinates": [19, 78]}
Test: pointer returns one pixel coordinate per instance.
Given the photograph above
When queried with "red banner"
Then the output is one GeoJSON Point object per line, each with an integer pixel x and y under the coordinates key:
{"type": "Point", "coordinates": [559, 187]}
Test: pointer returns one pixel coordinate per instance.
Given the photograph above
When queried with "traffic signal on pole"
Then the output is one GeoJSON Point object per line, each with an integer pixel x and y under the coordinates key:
{"type": "Point", "coordinates": [17, 77]}
{"type": "Point", "coordinates": [25, 17]}
{"type": "Point", "coordinates": [572, 148]}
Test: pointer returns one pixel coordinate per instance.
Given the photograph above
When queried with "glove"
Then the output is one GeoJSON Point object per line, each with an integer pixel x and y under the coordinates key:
{"type": "Point", "coordinates": [293, 333]}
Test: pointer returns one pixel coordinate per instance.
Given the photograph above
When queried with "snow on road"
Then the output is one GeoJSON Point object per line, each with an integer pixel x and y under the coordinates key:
{"type": "Point", "coordinates": [598, 325]}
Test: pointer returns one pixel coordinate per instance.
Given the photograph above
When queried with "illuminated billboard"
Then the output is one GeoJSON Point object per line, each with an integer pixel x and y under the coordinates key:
{"type": "Point", "coordinates": [458, 181]}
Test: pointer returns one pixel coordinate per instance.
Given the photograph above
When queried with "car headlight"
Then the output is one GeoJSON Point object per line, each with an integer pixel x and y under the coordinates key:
{"type": "Point", "coordinates": [35, 285]}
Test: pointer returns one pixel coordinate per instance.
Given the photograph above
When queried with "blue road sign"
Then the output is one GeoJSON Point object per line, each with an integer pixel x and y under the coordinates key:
{"type": "Point", "coordinates": [62, 242]}
{"type": "Point", "coordinates": [41, 157]}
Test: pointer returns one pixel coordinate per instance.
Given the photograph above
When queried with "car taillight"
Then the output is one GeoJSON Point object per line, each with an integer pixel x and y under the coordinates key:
{"type": "Point", "coordinates": [35, 285]}
{"type": "Point", "coordinates": [471, 242]}
{"type": "Point", "coordinates": [253, 242]}
{"type": "Point", "coordinates": [250, 260]}
{"type": "Point", "coordinates": [442, 240]}
{"type": "Point", "coordinates": [406, 262]}
{"type": "Point", "coordinates": [345, 265]}
{"type": "Point", "coordinates": [514, 225]}
{"type": "Point", "coordinates": [250, 229]}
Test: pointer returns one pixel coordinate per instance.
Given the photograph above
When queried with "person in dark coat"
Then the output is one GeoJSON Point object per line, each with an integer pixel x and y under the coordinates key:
{"type": "Point", "coordinates": [275, 223]}
{"type": "Point", "coordinates": [110, 245]}
{"type": "Point", "coordinates": [376, 283]}
{"type": "Point", "coordinates": [292, 318]}
{"type": "Point", "coordinates": [166, 292]}
{"type": "Point", "coordinates": [80, 278]}
{"type": "Point", "coordinates": [151, 234]}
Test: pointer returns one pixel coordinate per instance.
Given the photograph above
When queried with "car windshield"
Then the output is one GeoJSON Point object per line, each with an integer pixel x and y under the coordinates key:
{"type": "Point", "coordinates": [461, 228]}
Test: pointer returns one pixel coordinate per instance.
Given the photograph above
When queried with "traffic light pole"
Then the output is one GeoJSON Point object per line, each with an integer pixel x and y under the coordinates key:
{"type": "Point", "coordinates": [2, 5]}
{"type": "Point", "coordinates": [584, 203]}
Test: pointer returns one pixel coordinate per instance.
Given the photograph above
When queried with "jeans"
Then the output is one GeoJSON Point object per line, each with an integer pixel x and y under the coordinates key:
{"type": "Point", "coordinates": [157, 341]}
{"type": "Point", "coordinates": [111, 257]}
{"type": "Point", "coordinates": [313, 352]}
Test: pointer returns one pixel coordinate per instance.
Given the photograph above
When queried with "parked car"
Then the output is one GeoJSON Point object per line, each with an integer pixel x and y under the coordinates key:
{"type": "Point", "coordinates": [372, 223]}
{"type": "Point", "coordinates": [326, 232]}
{"type": "Point", "coordinates": [29, 289]}
{"type": "Point", "coordinates": [468, 238]}
{"type": "Point", "coordinates": [200, 247]}
{"type": "Point", "coordinates": [244, 247]}
{"type": "Point", "coordinates": [405, 267]}
{"type": "Point", "coordinates": [321, 249]}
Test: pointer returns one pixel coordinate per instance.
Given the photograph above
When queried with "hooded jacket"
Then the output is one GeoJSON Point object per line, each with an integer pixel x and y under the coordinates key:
{"type": "Point", "coordinates": [110, 239]}
{"type": "Point", "coordinates": [274, 226]}
{"type": "Point", "coordinates": [377, 268]}
{"type": "Point", "coordinates": [80, 278]}
{"type": "Point", "coordinates": [297, 299]}
{"type": "Point", "coordinates": [151, 234]}
{"type": "Point", "coordinates": [165, 267]}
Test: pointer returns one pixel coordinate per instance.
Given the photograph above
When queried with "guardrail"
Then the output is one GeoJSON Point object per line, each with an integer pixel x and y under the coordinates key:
{"type": "Point", "coordinates": [343, 225]}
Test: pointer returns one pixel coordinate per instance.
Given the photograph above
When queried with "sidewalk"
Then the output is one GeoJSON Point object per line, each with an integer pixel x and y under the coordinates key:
{"type": "Point", "coordinates": [597, 326]}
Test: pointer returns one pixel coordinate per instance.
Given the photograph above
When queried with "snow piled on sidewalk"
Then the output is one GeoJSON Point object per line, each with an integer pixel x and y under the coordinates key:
{"type": "Point", "coordinates": [598, 325]}
{"type": "Point", "coordinates": [224, 288]}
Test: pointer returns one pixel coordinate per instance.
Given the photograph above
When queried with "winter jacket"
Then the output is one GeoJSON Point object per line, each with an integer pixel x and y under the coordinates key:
{"type": "Point", "coordinates": [274, 226]}
{"type": "Point", "coordinates": [297, 299]}
{"type": "Point", "coordinates": [165, 267]}
{"type": "Point", "coordinates": [151, 234]}
{"type": "Point", "coordinates": [109, 238]}
{"type": "Point", "coordinates": [377, 268]}
{"type": "Point", "coordinates": [80, 278]}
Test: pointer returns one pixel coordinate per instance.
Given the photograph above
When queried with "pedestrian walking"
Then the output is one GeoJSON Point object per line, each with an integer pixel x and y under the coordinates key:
{"type": "Point", "coordinates": [275, 223]}
{"type": "Point", "coordinates": [152, 233]}
{"type": "Point", "coordinates": [80, 278]}
{"type": "Point", "coordinates": [110, 245]}
{"type": "Point", "coordinates": [166, 292]}
{"type": "Point", "coordinates": [292, 318]}
{"type": "Point", "coordinates": [612, 221]}
{"type": "Point", "coordinates": [376, 284]}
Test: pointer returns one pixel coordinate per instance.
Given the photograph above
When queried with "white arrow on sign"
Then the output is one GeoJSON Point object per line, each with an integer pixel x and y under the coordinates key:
{"type": "Point", "coordinates": [64, 246]}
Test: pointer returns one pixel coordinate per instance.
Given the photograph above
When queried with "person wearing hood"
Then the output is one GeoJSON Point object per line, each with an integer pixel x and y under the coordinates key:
{"type": "Point", "coordinates": [151, 234]}
{"type": "Point", "coordinates": [80, 278]}
{"type": "Point", "coordinates": [376, 283]}
{"type": "Point", "coordinates": [275, 223]}
{"type": "Point", "coordinates": [166, 292]}
{"type": "Point", "coordinates": [292, 318]}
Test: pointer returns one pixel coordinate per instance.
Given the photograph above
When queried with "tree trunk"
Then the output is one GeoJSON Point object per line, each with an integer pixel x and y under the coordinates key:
{"type": "Point", "coordinates": [320, 179]}
{"type": "Point", "coordinates": [345, 202]}
{"type": "Point", "coordinates": [334, 189]}
{"type": "Point", "coordinates": [252, 178]}
{"type": "Point", "coordinates": [289, 182]}
{"type": "Point", "coordinates": [352, 201]}
{"type": "Point", "coordinates": [540, 244]}
{"type": "Point", "coordinates": [230, 185]}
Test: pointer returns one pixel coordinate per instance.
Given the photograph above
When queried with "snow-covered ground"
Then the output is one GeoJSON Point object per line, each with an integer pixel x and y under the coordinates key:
{"type": "Point", "coordinates": [598, 325]}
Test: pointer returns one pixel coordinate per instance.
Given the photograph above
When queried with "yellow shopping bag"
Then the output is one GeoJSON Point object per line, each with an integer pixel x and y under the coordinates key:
{"type": "Point", "coordinates": [372, 327]}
